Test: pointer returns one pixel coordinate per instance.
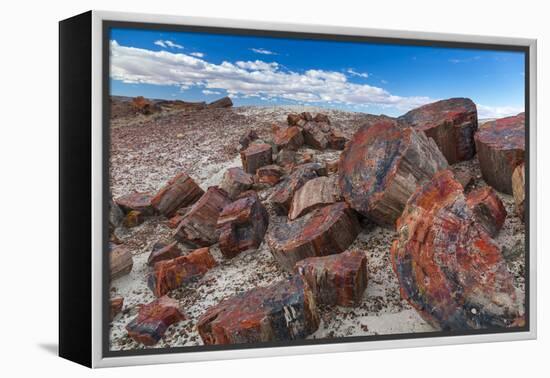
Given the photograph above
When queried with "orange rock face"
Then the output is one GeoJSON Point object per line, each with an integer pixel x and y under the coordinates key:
{"type": "Point", "coordinates": [180, 191]}
{"type": "Point", "coordinates": [488, 209]}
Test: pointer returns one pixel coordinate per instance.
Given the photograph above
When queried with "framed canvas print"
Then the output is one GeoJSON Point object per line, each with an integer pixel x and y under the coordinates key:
{"type": "Point", "coordinates": [234, 189]}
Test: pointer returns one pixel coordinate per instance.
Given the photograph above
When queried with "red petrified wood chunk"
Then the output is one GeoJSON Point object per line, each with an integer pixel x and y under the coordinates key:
{"type": "Point", "coordinates": [319, 117]}
{"type": "Point", "coordinates": [242, 225]}
{"type": "Point", "coordinates": [451, 123]}
{"type": "Point", "coordinates": [315, 193]}
{"type": "Point", "coordinates": [171, 274]}
{"type": "Point", "coordinates": [450, 270]}
{"type": "Point", "coordinates": [316, 134]}
{"type": "Point", "coordinates": [325, 231]}
{"type": "Point", "coordinates": [235, 181]}
{"type": "Point", "coordinates": [180, 191]}
{"type": "Point", "coordinates": [284, 311]}
{"type": "Point", "coordinates": [381, 167]}
{"type": "Point", "coordinates": [269, 174]}
{"type": "Point", "coordinates": [337, 279]}
{"type": "Point", "coordinates": [518, 186]}
{"type": "Point", "coordinates": [488, 209]}
{"type": "Point", "coordinates": [198, 227]}
{"type": "Point", "coordinates": [290, 138]}
{"type": "Point", "coordinates": [246, 139]}
{"type": "Point", "coordinates": [120, 260]}
{"type": "Point", "coordinates": [336, 140]}
{"type": "Point", "coordinates": [500, 149]}
{"type": "Point", "coordinates": [256, 156]}
{"type": "Point", "coordinates": [293, 119]}
{"type": "Point", "coordinates": [224, 102]}
{"type": "Point", "coordinates": [153, 320]}
{"type": "Point", "coordinates": [136, 201]}
{"type": "Point", "coordinates": [116, 306]}
{"type": "Point", "coordinates": [286, 158]}
{"type": "Point", "coordinates": [163, 251]}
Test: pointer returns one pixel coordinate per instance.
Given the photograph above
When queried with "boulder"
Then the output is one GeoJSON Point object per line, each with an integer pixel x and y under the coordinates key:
{"type": "Point", "coordinates": [269, 174]}
{"type": "Point", "coordinates": [242, 225]}
{"type": "Point", "coordinates": [381, 167]}
{"type": "Point", "coordinates": [116, 307]}
{"type": "Point", "coordinates": [180, 191]}
{"type": "Point", "coordinates": [315, 193]}
{"type": "Point", "coordinates": [136, 202]}
{"type": "Point", "coordinates": [289, 138]}
{"type": "Point", "coordinates": [336, 140]}
{"type": "Point", "coordinates": [171, 274]}
{"type": "Point", "coordinates": [198, 227]}
{"type": "Point", "coordinates": [337, 279]}
{"type": "Point", "coordinates": [449, 268]}
{"type": "Point", "coordinates": [518, 189]}
{"type": "Point", "coordinates": [120, 260]}
{"type": "Point", "coordinates": [133, 219]}
{"type": "Point", "coordinates": [450, 123]}
{"type": "Point", "coordinates": [500, 149]}
{"type": "Point", "coordinates": [246, 139]}
{"type": "Point", "coordinates": [488, 209]}
{"type": "Point", "coordinates": [224, 102]}
{"type": "Point", "coordinates": [256, 156]}
{"type": "Point", "coordinates": [163, 251]}
{"type": "Point", "coordinates": [320, 117]}
{"type": "Point", "coordinates": [153, 319]}
{"type": "Point", "coordinates": [284, 311]}
{"type": "Point", "coordinates": [325, 231]}
{"type": "Point", "coordinates": [316, 134]}
{"type": "Point", "coordinates": [235, 181]}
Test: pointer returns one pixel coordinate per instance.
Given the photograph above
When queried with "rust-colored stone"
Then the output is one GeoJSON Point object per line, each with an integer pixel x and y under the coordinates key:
{"type": "Point", "coordinates": [116, 307]}
{"type": "Point", "coordinates": [171, 274]}
{"type": "Point", "coordinates": [133, 219]}
{"type": "Point", "coordinates": [246, 139]}
{"type": "Point", "coordinates": [235, 181]}
{"type": "Point", "coordinates": [316, 134]}
{"type": "Point", "coordinates": [120, 260]}
{"type": "Point", "coordinates": [324, 231]}
{"type": "Point", "coordinates": [450, 270]}
{"type": "Point", "coordinates": [500, 149]}
{"type": "Point", "coordinates": [224, 102]}
{"type": "Point", "coordinates": [136, 202]}
{"type": "Point", "coordinates": [488, 209]}
{"type": "Point", "coordinates": [315, 193]}
{"type": "Point", "coordinates": [320, 117]}
{"type": "Point", "coordinates": [293, 119]}
{"type": "Point", "coordinates": [180, 191]}
{"type": "Point", "coordinates": [518, 189]}
{"type": "Point", "coordinates": [336, 139]}
{"type": "Point", "coordinates": [256, 156]}
{"type": "Point", "coordinates": [163, 251]}
{"type": "Point", "coordinates": [144, 106]}
{"type": "Point", "coordinates": [381, 167]}
{"type": "Point", "coordinates": [284, 311]}
{"type": "Point", "coordinates": [153, 319]}
{"type": "Point", "coordinates": [269, 174]}
{"type": "Point", "coordinates": [198, 227]}
{"type": "Point", "coordinates": [289, 138]}
{"type": "Point", "coordinates": [286, 158]}
{"type": "Point", "coordinates": [332, 166]}
{"type": "Point", "coordinates": [465, 178]}
{"type": "Point", "coordinates": [339, 279]}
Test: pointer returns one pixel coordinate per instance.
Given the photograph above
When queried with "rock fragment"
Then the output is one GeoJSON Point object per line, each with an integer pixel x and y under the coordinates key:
{"type": "Point", "coordinates": [235, 181]}
{"type": "Point", "coordinates": [488, 209]}
{"type": "Point", "coordinates": [256, 156]}
{"type": "Point", "coordinates": [224, 102]}
{"type": "Point", "coordinates": [269, 174]}
{"type": "Point", "coordinates": [163, 251]}
{"type": "Point", "coordinates": [116, 307]}
{"type": "Point", "coordinates": [180, 191]}
{"type": "Point", "coordinates": [518, 189]}
{"type": "Point", "coordinates": [136, 202]}
{"type": "Point", "coordinates": [133, 219]}
{"type": "Point", "coordinates": [289, 138]}
{"type": "Point", "coordinates": [120, 260]}
{"type": "Point", "coordinates": [315, 193]}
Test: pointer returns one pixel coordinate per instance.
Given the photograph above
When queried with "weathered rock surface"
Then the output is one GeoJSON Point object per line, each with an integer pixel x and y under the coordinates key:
{"type": "Point", "coordinates": [133, 219]}
{"type": "Point", "coordinates": [180, 191]}
{"type": "Point", "coordinates": [293, 119]}
{"type": "Point", "coordinates": [465, 178]}
{"type": "Point", "coordinates": [120, 260]}
{"type": "Point", "coordinates": [320, 117]}
{"type": "Point", "coordinates": [336, 139]}
{"type": "Point", "coordinates": [284, 311]}
{"type": "Point", "coordinates": [289, 138]}
{"type": "Point", "coordinates": [163, 251]}
{"type": "Point", "coordinates": [235, 181]}
{"type": "Point", "coordinates": [500, 149]}
{"type": "Point", "coordinates": [269, 174]}
{"type": "Point", "coordinates": [116, 307]}
{"type": "Point", "coordinates": [286, 158]}
{"type": "Point", "coordinates": [332, 166]}
{"type": "Point", "coordinates": [136, 202]}
{"type": "Point", "coordinates": [449, 268]}
{"type": "Point", "coordinates": [242, 225]}
{"type": "Point", "coordinates": [116, 215]}
{"type": "Point", "coordinates": [256, 156]}
{"type": "Point", "coordinates": [171, 274]}
{"type": "Point", "coordinates": [224, 102]}
{"type": "Point", "coordinates": [198, 227]}
{"type": "Point", "coordinates": [381, 167]}
{"type": "Point", "coordinates": [316, 134]}
{"type": "Point", "coordinates": [246, 139]}
{"type": "Point", "coordinates": [518, 189]}
{"type": "Point", "coordinates": [315, 193]}
{"type": "Point", "coordinates": [153, 319]}
{"type": "Point", "coordinates": [325, 231]}
{"type": "Point", "coordinates": [488, 209]}
{"type": "Point", "coordinates": [451, 123]}
{"type": "Point", "coordinates": [337, 279]}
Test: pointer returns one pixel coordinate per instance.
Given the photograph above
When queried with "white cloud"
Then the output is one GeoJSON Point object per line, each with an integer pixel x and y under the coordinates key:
{"type": "Point", "coordinates": [484, 111]}
{"type": "Point", "coordinates": [263, 51]}
{"type": "Point", "coordinates": [168, 44]}
{"type": "Point", "coordinates": [197, 54]}
{"type": "Point", "coordinates": [209, 92]}
{"type": "Point", "coordinates": [355, 73]}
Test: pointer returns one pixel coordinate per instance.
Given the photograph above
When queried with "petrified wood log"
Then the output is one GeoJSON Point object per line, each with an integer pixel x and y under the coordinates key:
{"type": "Point", "coordinates": [120, 260]}
{"type": "Point", "coordinates": [313, 194]}
{"type": "Point", "coordinates": [293, 119]}
{"type": "Point", "coordinates": [316, 134]}
{"type": "Point", "coordinates": [133, 219]}
{"type": "Point", "coordinates": [337, 279]}
{"type": "Point", "coordinates": [198, 227]}
{"type": "Point", "coordinates": [153, 320]}
{"type": "Point", "coordinates": [180, 191]}
{"type": "Point", "coordinates": [336, 139]}
{"type": "Point", "coordinates": [381, 167]}
{"type": "Point", "coordinates": [451, 123]}
{"type": "Point", "coordinates": [306, 116]}
{"type": "Point", "coordinates": [518, 188]}
{"type": "Point", "coordinates": [449, 268]}
{"type": "Point", "coordinates": [224, 102]}
{"type": "Point", "coordinates": [235, 181]}
{"type": "Point", "coordinates": [163, 251]}
{"type": "Point", "coordinates": [269, 174]}
{"type": "Point", "coordinates": [246, 139]}
{"type": "Point", "coordinates": [136, 201]}
{"type": "Point", "coordinates": [116, 306]}
{"type": "Point", "coordinates": [488, 209]}
{"type": "Point", "coordinates": [325, 231]}
{"type": "Point", "coordinates": [256, 156]}
{"type": "Point", "coordinates": [320, 117]}
{"type": "Point", "coordinates": [286, 158]}
{"type": "Point", "coordinates": [168, 275]}
{"type": "Point", "coordinates": [500, 149]}
{"type": "Point", "coordinates": [242, 225]}
{"type": "Point", "coordinates": [289, 138]}
{"type": "Point", "coordinates": [284, 311]}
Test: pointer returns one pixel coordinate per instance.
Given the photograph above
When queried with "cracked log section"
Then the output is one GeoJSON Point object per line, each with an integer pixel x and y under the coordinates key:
{"type": "Point", "coordinates": [284, 311]}
{"type": "Point", "coordinates": [315, 193]}
{"type": "Point", "coordinates": [235, 181]}
{"type": "Point", "coordinates": [180, 191]}
{"type": "Point", "coordinates": [120, 260]}
{"type": "Point", "coordinates": [198, 227]}
{"type": "Point", "coordinates": [381, 167]}
{"type": "Point", "coordinates": [153, 319]}
{"type": "Point", "coordinates": [242, 225]}
{"type": "Point", "coordinates": [450, 123]}
{"type": "Point", "coordinates": [136, 202]}
{"type": "Point", "coordinates": [163, 251]}
{"type": "Point", "coordinates": [449, 269]}
{"type": "Point", "coordinates": [500, 149]}
{"type": "Point", "coordinates": [256, 156]}
{"type": "Point", "coordinates": [336, 280]}
{"type": "Point", "coordinates": [518, 188]}
{"type": "Point", "coordinates": [325, 231]}
{"type": "Point", "coordinates": [488, 209]}
{"type": "Point", "coordinates": [171, 274]}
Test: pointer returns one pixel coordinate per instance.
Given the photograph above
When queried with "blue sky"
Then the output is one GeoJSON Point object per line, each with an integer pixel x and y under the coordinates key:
{"type": "Point", "coordinates": [367, 77]}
